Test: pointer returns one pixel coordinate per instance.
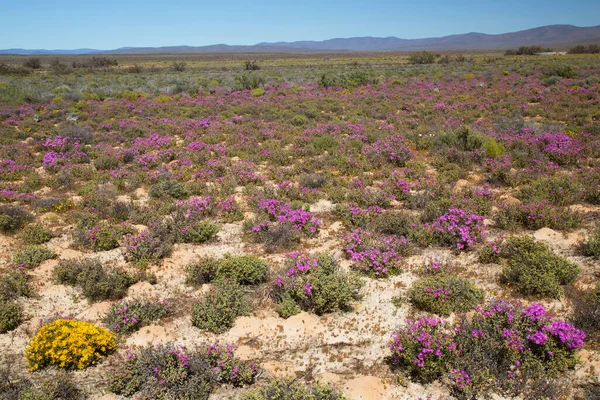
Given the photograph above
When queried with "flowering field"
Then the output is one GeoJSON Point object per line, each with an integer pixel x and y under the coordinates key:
{"type": "Point", "coordinates": [392, 231]}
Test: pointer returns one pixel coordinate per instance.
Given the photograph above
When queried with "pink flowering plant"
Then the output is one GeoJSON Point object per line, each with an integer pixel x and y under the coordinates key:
{"type": "Point", "coordinates": [314, 283]}
{"type": "Point", "coordinates": [424, 348]}
{"type": "Point", "coordinates": [459, 228]}
{"type": "Point", "coordinates": [145, 248]}
{"type": "Point", "coordinates": [503, 345]}
{"type": "Point", "coordinates": [507, 343]}
{"type": "Point", "coordinates": [175, 371]}
{"type": "Point", "coordinates": [126, 316]}
{"type": "Point", "coordinates": [375, 254]}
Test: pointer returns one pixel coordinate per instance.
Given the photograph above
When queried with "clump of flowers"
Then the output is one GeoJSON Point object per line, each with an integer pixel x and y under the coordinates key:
{"type": "Point", "coordinates": [513, 343]}
{"type": "Point", "coordinates": [283, 213]}
{"type": "Point", "coordinates": [228, 210]}
{"type": "Point", "coordinates": [505, 344]}
{"type": "Point", "coordinates": [460, 228]}
{"type": "Point", "coordinates": [353, 215]}
{"type": "Point", "coordinates": [174, 372]}
{"type": "Point", "coordinates": [314, 283]}
{"type": "Point", "coordinates": [392, 149]}
{"type": "Point", "coordinates": [424, 347]}
{"type": "Point", "coordinates": [376, 254]}
{"type": "Point", "coordinates": [127, 316]}
{"type": "Point", "coordinates": [69, 344]}
{"type": "Point", "coordinates": [145, 248]}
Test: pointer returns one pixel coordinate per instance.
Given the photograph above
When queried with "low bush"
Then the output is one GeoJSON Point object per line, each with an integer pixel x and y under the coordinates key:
{"type": "Point", "coordinates": [280, 224]}
{"type": "Point", "coordinates": [146, 248]}
{"type": "Point", "coordinates": [586, 311]}
{"type": "Point", "coordinates": [15, 283]}
{"type": "Point", "coordinates": [13, 218]}
{"type": "Point", "coordinates": [31, 256]}
{"type": "Point", "coordinates": [375, 254]}
{"type": "Point", "coordinates": [291, 389]}
{"type": "Point", "coordinates": [168, 189]}
{"type": "Point", "coordinates": [399, 223]}
{"type": "Point", "coordinates": [422, 57]}
{"type": "Point", "coordinates": [101, 237]}
{"type": "Point", "coordinates": [58, 386]}
{"type": "Point", "coordinates": [504, 347]}
{"type": "Point", "coordinates": [217, 310]}
{"type": "Point", "coordinates": [591, 247]}
{"type": "Point", "coordinates": [245, 270]}
{"type": "Point", "coordinates": [445, 294]}
{"type": "Point", "coordinates": [11, 315]}
{"type": "Point", "coordinates": [355, 216]}
{"type": "Point", "coordinates": [202, 271]}
{"type": "Point", "coordinates": [35, 234]}
{"type": "Point", "coordinates": [558, 190]}
{"type": "Point", "coordinates": [198, 232]}
{"type": "Point", "coordinates": [316, 284]}
{"type": "Point", "coordinates": [127, 316]}
{"type": "Point", "coordinates": [424, 348]}
{"type": "Point", "coordinates": [532, 269]}
{"type": "Point", "coordinates": [96, 282]}
{"type": "Point", "coordinates": [536, 215]}
{"type": "Point", "coordinates": [69, 344]}
{"type": "Point", "coordinates": [507, 347]}
{"type": "Point", "coordinates": [458, 228]}
{"type": "Point", "coordinates": [169, 371]}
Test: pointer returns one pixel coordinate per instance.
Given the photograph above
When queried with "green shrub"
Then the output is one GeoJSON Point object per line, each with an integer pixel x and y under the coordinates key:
{"type": "Point", "coordinates": [558, 190]}
{"type": "Point", "coordinates": [198, 232]}
{"type": "Point", "coordinates": [591, 247]}
{"type": "Point", "coordinates": [32, 255]}
{"type": "Point", "coordinates": [445, 294]}
{"type": "Point", "coordinates": [217, 310]}
{"type": "Point", "coordinates": [35, 234]}
{"type": "Point", "coordinates": [299, 120]}
{"type": "Point", "coordinates": [422, 57]}
{"type": "Point", "coordinates": [148, 247]}
{"type": "Point", "coordinates": [316, 284]}
{"type": "Point", "coordinates": [586, 311]}
{"type": "Point", "coordinates": [201, 272]}
{"type": "Point", "coordinates": [106, 163]}
{"type": "Point", "coordinates": [536, 215]}
{"type": "Point", "coordinates": [287, 306]}
{"type": "Point", "coordinates": [168, 189]}
{"type": "Point", "coordinates": [58, 386]}
{"type": "Point", "coordinates": [394, 223]}
{"type": "Point", "coordinates": [170, 371]}
{"type": "Point", "coordinates": [127, 316]}
{"type": "Point", "coordinates": [101, 237]}
{"type": "Point", "coordinates": [325, 143]}
{"type": "Point", "coordinates": [96, 283]}
{"type": "Point", "coordinates": [15, 283]}
{"type": "Point", "coordinates": [291, 389]}
{"type": "Point", "coordinates": [249, 81]}
{"type": "Point", "coordinates": [533, 269]}
{"type": "Point", "coordinates": [514, 349]}
{"type": "Point", "coordinates": [10, 315]}
{"type": "Point", "coordinates": [13, 218]}
{"type": "Point", "coordinates": [245, 270]}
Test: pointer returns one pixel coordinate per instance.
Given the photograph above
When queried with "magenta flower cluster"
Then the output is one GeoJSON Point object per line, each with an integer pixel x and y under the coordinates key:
{"type": "Point", "coordinates": [461, 227]}
{"type": "Point", "coordinates": [283, 213]}
{"type": "Point", "coordinates": [376, 254]}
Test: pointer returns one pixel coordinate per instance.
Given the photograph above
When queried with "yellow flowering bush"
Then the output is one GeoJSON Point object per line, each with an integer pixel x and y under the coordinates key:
{"type": "Point", "coordinates": [69, 344]}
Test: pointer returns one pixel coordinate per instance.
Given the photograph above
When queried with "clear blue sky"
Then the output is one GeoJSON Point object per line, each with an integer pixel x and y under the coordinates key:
{"type": "Point", "coordinates": [109, 24]}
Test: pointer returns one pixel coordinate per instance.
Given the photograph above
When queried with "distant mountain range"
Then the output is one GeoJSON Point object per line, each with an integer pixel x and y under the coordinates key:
{"type": "Point", "coordinates": [550, 35]}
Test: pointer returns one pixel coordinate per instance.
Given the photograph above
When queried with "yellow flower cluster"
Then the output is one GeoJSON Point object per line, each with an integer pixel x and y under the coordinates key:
{"type": "Point", "coordinates": [69, 344]}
